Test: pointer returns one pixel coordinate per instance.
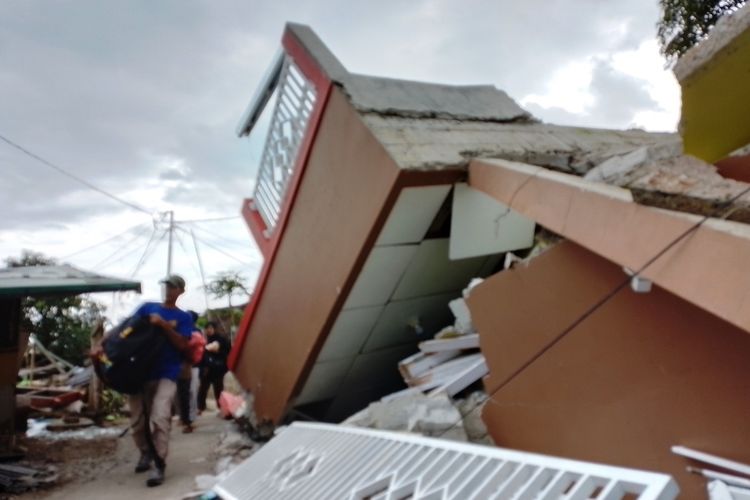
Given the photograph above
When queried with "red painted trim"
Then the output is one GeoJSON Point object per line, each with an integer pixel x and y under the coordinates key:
{"type": "Point", "coordinates": [257, 227]}
{"type": "Point", "coordinates": [269, 247]}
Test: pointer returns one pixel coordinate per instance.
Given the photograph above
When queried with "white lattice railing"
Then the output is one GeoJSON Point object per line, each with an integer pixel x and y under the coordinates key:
{"type": "Point", "coordinates": [320, 461]}
{"type": "Point", "coordinates": [295, 98]}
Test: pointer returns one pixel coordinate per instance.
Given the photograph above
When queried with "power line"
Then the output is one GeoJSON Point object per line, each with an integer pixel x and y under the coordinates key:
{"type": "Point", "coordinates": [219, 237]}
{"type": "Point", "coordinates": [108, 259]}
{"type": "Point", "coordinates": [212, 219]}
{"type": "Point", "coordinates": [146, 254]}
{"type": "Point", "coordinates": [82, 250]}
{"type": "Point", "coordinates": [185, 251]}
{"type": "Point", "coordinates": [216, 248]}
{"type": "Point", "coordinates": [73, 176]}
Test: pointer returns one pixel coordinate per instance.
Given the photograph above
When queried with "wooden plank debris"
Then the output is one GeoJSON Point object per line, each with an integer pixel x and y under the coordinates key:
{"type": "Point", "coordinates": [712, 459]}
{"type": "Point", "coordinates": [476, 370]}
{"type": "Point", "coordinates": [461, 342]}
{"type": "Point", "coordinates": [419, 363]}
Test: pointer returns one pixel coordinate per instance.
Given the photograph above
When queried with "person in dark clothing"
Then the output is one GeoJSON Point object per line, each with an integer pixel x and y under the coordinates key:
{"type": "Point", "coordinates": [186, 390]}
{"type": "Point", "coordinates": [213, 365]}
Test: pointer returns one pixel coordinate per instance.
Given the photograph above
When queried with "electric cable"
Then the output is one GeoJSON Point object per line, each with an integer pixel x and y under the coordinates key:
{"type": "Point", "coordinates": [111, 238]}
{"type": "Point", "coordinates": [146, 253]}
{"type": "Point", "coordinates": [210, 219]}
{"type": "Point", "coordinates": [106, 261]}
{"type": "Point", "coordinates": [215, 248]}
{"type": "Point", "coordinates": [184, 250]}
{"type": "Point", "coordinates": [73, 176]}
{"type": "Point", "coordinates": [221, 238]}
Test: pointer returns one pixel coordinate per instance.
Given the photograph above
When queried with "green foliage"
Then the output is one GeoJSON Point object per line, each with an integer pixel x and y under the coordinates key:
{"type": "Point", "coordinates": [62, 324]}
{"type": "Point", "coordinates": [684, 23]}
{"type": "Point", "coordinates": [112, 402]}
{"type": "Point", "coordinates": [227, 284]}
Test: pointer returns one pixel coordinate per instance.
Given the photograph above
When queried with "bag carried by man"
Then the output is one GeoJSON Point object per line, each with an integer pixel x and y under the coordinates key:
{"type": "Point", "coordinates": [129, 352]}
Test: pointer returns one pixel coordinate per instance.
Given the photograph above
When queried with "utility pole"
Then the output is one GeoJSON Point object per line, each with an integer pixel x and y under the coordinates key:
{"type": "Point", "coordinates": [169, 248]}
{"type": "Point", "coordinates": [200, 267]}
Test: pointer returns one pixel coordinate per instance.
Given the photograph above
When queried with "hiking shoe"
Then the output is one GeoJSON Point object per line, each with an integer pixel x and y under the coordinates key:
{"type": "Point", "coordinates": [144, 463]}
{"type": "Point", "coordinates": [156, 478]}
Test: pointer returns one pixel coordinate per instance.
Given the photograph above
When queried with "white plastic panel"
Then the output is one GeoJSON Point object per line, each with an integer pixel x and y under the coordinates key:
{"type": "Point", "coordinates": [480, 225]}
{"type": "Point", "coordinates": [349, 333]}
{"type": "Point", "coordinates": [399, 320]}
{"type": "Point", "coordinates": [321, 462]}
{"type": "Point", "coordinates": [380, 275]}
{"type": "Point", "coordinates": [431, 272]}
{"type": "Point", "coordinates": [412, 214]}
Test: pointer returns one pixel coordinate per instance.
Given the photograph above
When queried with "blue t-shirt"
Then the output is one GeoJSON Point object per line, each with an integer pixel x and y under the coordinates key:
{"type": "Point", "coordinates": [170, 359]}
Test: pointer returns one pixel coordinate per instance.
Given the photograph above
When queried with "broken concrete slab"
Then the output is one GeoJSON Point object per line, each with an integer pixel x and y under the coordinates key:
{"type": "Point", "coordinates": [410, 99]}
{"type": "Point", "coordinates": [435, 144]}
{"type": "Point", "coordinates": [463, 316]}
{"type": "Point", "coordinates": [429, 416]}
{"type": "Point", "coordinates": [688, 184]}
{"type": "Point", "coordinates": [613, 170]}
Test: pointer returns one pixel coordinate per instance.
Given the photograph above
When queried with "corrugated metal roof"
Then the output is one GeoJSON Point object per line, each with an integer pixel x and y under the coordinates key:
{"type": "Point", "coordinates": [58, 280]}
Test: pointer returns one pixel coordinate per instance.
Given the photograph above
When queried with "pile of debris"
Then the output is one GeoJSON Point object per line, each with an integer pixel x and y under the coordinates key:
{"type": "Point", "coordinates": [17, 479]}
{"type": "Point", "coordinates": [450, 362]}
{"type": "Point", "coordinates": [443, 368]}
{"type": "Point", "coordinates": [235, 446]}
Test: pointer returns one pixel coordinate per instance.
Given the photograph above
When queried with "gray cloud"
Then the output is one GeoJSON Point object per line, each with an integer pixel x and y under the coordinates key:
{"type": "Point", "coordinates": [617, 98]}
{"type": "Point", "coordinates": [120, 92]}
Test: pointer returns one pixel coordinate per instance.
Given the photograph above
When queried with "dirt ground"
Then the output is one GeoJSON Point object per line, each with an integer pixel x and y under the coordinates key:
{"type": "Point", "coordinates": [103, 468]}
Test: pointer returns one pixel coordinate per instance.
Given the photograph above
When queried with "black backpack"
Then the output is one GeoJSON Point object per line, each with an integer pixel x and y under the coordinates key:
{"type": "Point", "coordinates": [130, 351]}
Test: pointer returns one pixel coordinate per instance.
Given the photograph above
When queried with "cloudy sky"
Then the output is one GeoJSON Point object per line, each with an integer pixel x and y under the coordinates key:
{"type": "Point", "coordinates": [141, 98]}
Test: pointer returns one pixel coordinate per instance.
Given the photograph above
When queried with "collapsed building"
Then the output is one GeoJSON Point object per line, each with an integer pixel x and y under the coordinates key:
{"type": "Point", "coordinates": [622, 334]}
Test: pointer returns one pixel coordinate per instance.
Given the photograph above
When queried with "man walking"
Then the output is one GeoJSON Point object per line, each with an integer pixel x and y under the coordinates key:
{"type": "Point", "coordinates": [154, 406]}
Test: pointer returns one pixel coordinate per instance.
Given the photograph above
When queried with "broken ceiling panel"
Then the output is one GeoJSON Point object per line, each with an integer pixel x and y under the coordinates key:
{"type": "Point", "coordinates": [481, 225]}
{"type": "Point", "coordinates": [324, 380]}
{"type": "Point", "coordinates": [432, 272]}
{"type": "Point", "coordinates": [350, 332]}
{"type": "Point", "coordinates": [411, 321]}
{"type": "Point", "coordinates": [412, 215]}
{"type": "Point", "coordinates": [380, 275]}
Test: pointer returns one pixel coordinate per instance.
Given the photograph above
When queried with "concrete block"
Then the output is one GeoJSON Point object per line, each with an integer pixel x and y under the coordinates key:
{"type": "Point", "coordinates": [462, 314]}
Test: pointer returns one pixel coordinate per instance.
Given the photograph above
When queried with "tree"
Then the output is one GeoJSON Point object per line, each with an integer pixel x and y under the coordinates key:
{"type": "Point", "coordinates": [227, 284]}
{"type": "Point", "coordinates": [62, 324]}
{"type": "Point", "coordinates": [684, 23]}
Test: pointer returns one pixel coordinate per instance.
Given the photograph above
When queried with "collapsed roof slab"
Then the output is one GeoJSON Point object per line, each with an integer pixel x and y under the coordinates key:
{"type": "Point", "coordinates": [701, 267]}
{"type": "Point", "coordinates": [429, 144]}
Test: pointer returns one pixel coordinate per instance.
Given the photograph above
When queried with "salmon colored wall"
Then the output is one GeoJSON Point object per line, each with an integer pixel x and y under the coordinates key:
{"type": "Point", "coordinates": [640, 374]}
{"type": "Point", "coordinates": [345, 186]}
{"type": "Point", "coordinates": [735, 167]}
{"type": "Point", "coordinates": [702, 268]}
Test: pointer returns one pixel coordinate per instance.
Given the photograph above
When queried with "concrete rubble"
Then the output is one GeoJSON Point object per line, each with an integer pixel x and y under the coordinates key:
{"type": "Point", "coordinates": [444, 367]}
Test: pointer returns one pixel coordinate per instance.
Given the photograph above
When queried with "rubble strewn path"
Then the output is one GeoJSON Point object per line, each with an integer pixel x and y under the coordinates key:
{"type": "Point", "coordinates": [190, 455]}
